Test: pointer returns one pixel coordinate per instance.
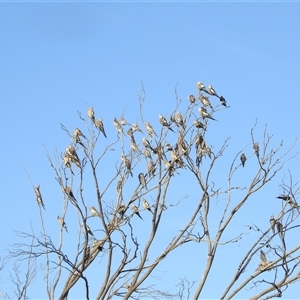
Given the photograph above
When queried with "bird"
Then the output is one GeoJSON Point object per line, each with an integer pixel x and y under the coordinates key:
{"type": "Point", "coordinates": [94, 212]}
{"type": "Point", "coordinates": [204, 113]}
{"type": "Point", "coordinates": [223, 101]}
{"type": "Point", "coordinates": [273, 223]}
{"type": "Point", "coordinates": [207, 151]}
{"type": "Point", "coordinates": [211, 91]}
{"type": "Point", "coordinates": [77, 132]}
{"type": "Point", "coordinates": [146, 143]}
{"type": "Point", "coordinates": [198, 124]}
{"type": "Point", "coordinates": [66, 160]}
{"type": "Point", "coordinates": [200, 86]}
{"type": "Point", "coordinates": [192, 98]}
{"type": "Point", "coordinates": [97, 244]}
{"type": "Point", "coordinates": [147, 153]}
{"type": "Point", "coordinates": [179, 119]}
{"type": "Point", "coordinates": [127, 163]}
{"type": "Point", "coordinates": [121, 209]}
{"type": "Point", "coordinates": [146, 205]}
{"type": "Point", "coordinates": [118, 126]}
{"type": "Point", "coordinates": [279, 228]}
{"type": "Point", "coordinates": [100, 126]}
{"type": "Point", "coordinates": [123, 121]}
{"type": "Point", "coordinates": [142, 180]}
{"type": "Point", "coordinates": [243, 159]}
{"type": "Point", "coordinates": [150, 129]}
{"type": "Point", "coordinates": [289, 200]}
{"type": "Point", "coordinates": [164, 122]}
{"type": "Point", "coordinates": [71, 153]}
{"type": "Point", "coordinates": [151, 167]}
{"type": "Point", "coordinates": [39, 198]}
{"type": "Point", "coordinates": [134, 146]}
{"type": "Point", "coordinates": [136, 210]}
{"type": "Point", "coordinates": [120, 186]}
{"type": "Point", "coordinates": [69, 193]}
{"type": "Point", "coordinates": [168, 147]}
{"type": "Point", "coordinates": [130, 133]}
{"type": "Point", "coordinates": [91, 114]}
{"type": "Point", "coordinates": [87, 252]}
{"type": "Point", "coordinates": [62, 223]}
{"type": "Point", "coordinates": [89, 231]}
{"type": "Point", "coordinates": [256, 149]}
{"type": "Point", "coordinates": [135, 127]}
{"type": "Point", "coordinates": [205, 101]}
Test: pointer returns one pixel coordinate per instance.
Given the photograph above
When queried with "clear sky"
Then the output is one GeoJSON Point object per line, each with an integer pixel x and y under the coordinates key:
{"type": "Point", "coordinates": [60, 58]}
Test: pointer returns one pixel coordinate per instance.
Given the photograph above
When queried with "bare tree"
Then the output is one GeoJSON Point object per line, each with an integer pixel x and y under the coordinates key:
{"type": "Point", "coordinates": [151, 159]}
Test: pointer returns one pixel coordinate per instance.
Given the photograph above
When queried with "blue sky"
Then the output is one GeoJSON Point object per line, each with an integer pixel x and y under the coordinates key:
{"type": "Point", "coordinates": [60, 58]}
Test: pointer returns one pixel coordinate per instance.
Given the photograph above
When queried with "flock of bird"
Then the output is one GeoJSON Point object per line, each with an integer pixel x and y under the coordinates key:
{"type": "Point", "coordinates": [176, 123]}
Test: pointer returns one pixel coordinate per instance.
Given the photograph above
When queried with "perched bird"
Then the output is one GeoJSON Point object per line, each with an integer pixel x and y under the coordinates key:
{"type": "Point", "coordinates": [200, 86]}
{"type": "Point", "coordinates": [211, 91]}
{"type": "Point", "coordinates": [142, 180]}
{"type": "Point", "coordinates": [179, 119]}
{"type": "Point", "coordinates": [127, 163]}
{"type": "Point", "coordinates": [136, 210]}
{"type": "Point", "coordinates": [263, 259]}
{"type": "Point", "coordinates": [192, 98]}
{"type": "Point", "coordinates": [62, 223]}
{"type": "Point", "coordinates": [121, 209]}
{"type": "Point", "coordinates": [69, 193]}
{"type": "Point", "coordinates": [67, 160]}
{"type": "Point", "coordinates": [147, 206]}
{"type": "Point", "coordinates": [223, 101]}
{"type": "Point", "coordinates": [150, 129]}
{"type": "Point", "coordinates": [91, 114]}
{"type": "Point", "coordinates": [273, 223]}
{"type": "Point", "coordinates": [205, 114]}
{"type": "Point", "coordinates": [289, 200]}
{"type": "Point", "coordinates": [118, 126]}
{"type": "Point", "coordinates": [99, 125]}
{"type": "Point", "coordinates": [89, 231]}
{"type": "Point", "coordinates": [164, 122]}
{"type": "Point", "coordinates": [130, 133]}
{"type": "Point", "coordinates": [151, 167]}
{"type": "Point", "coordinates": [77, 132]}
{"type": "Point", "coordinates": [147, 153]}
{"type": "Point", "coordinates": [71, 153]}
{"type": "Point", "coordinates": [279, 228]}
{"type": "Point", "coordinates": [256, 149]}
{"type": "Point", "coordinates": [123, 121]}
{"type": "Point", "coordinates": [39, 198]}
{"type": "Point", "coordinates": [207, 151]}
{"type": "Point", "coordinates": [205, 101]}
{"type": "Point", "coordinates": [120, 186]}
{"type": "Point", "coordinates": [243, 159]}
{"type": "Point", "coordinates": [198, 124]}
{"type": "Point", "coordinates": [168, 147]}
{"type": "Point", "coordinates": [135, 127]}
{"type": "Point", "coordinates": [77, 140]}
{"type": "Point", "coordinates": [146, 143]}
{"type": "Point", "coordinates": [94, 212]}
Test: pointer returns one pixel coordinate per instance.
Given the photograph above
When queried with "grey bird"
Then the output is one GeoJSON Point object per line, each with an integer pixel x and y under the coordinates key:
{"type": "Point", "coordinates": [205, 101]}
{"type": "Point", "coordinates": [192, 98]}
{"type": "Point", "coordinates": [118, 126]}
{"type": "Point", "coordinates": [120, 187]}
{"type": "Point", "coordinates": [123, 121]}
{"type": "Point", "coordinates": [91, 114]}
{"type": "Point", "coordinates": [142, 180]}
{"type": "Point", "coordinates": [127, 163]}
{"type": "Point", "coordinates": [39, 198]}
{"type": "Point", "coordinates": [89, 231]}
{"type": "Point", "coordinates": [71, 153]}
{"type": "Point", "coordinates": [134, 146]}
{"type": "Point", "coordinates": [135, 127]}
{"type": "Point", "coordinates": [263, 262]}
{"type": "Point", "coordinates": [279, 228]}
{"type": "Point", "coordinates": [289, 200]}
{"type": "Point", "coordinates": [198, 124]}
{"type": "Point", "coordinates": [243, 159]}
{"type": "Point", "coordinates": [62, 223]}
{"type": "Point", "coordinates": [67, 160]}
{"type": "Point", "coordinates": [94, 212]}
{"type": "Point", "coordinates": [77, 132]}
{"type": "Point", "coordinates": [136, 211]}
{"type": "Point", "coordinates": [179, 119]}
{"type": "Point", "coordinates": [150, 129]}
{"type": "Point", "coordinates": [273, 223]}
{"type": "Point", "coordinates": [151, 167]}
{"type": "Point", "coordinates": [211, 90]}
{"type": "Point", "coordinates": [200, 86]}
{"type": "Point", "coordinates": [147, 153]}
{"type": "Point", "coordinates": [223, 101]}
{"type": "Point", "coordinates": [100, 126]}
{"type": "Point", "coordinates": [164, 122]}
{"type": "Point", "coordinates": [130, 133]}
{"type": "Point", "coordinates": [147, 206]}
{"type": "Point", "coordinates": [69, 193]}
{"type": "Point", "coordinates": [205, 114]}
{"type": "Point", "coordinates": [256, 149]}
{"type": "Point", "coordinates": [146, 143]}
{"type": "Point", "coordinates": [168, 147]}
